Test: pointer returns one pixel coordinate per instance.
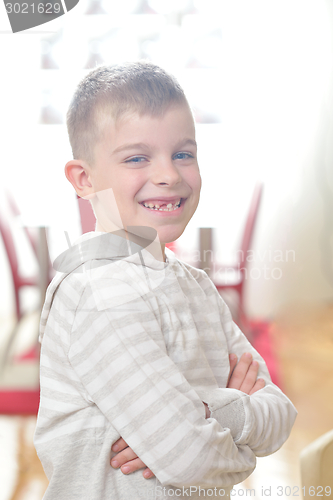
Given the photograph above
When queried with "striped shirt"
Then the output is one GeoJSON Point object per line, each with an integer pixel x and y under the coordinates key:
{"type": "Point", "coordinates": [132, 347]}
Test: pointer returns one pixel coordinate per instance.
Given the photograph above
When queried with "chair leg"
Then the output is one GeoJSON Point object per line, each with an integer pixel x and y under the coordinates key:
{"type": "Point", "coordinates": [7, 349]}
{"type": "Point", "coordinates": [17, 302]}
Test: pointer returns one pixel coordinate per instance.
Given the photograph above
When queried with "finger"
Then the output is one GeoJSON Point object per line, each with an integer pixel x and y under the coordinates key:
{"type": "Point", "coordinates": [250, 377]}
{"type": "Point", "coordinates": [122, 457]}
{"type": "Point", "coordinates": [232, 362]}
{"type": "Point", "coordinates": [147, 474]}
{"type": "Point", "coordinates": [240, 371]}
{"type": "Point", "coordinates": [119, 445]}
{"type": "Point", "coordinates": [132, 466]}
{"type": "Point", "coordinates": [260, 384]}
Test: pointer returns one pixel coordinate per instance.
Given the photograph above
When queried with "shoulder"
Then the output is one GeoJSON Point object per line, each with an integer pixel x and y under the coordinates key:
{"type": "Point", "coordinates": [99, 285]}
{"type": "Point", "coordinates": [179, 265]}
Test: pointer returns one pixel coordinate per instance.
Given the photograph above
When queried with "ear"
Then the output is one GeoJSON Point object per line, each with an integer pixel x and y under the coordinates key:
{"type": "Point", "coordinates": [78, 174]}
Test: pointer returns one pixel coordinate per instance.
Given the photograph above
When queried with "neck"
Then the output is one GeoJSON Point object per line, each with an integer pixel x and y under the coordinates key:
{"type": "Point", "coordinates": [155, 248]}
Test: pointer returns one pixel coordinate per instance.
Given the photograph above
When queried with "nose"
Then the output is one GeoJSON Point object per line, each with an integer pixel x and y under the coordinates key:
{"type": "Point", "coordinates": [165, 173]}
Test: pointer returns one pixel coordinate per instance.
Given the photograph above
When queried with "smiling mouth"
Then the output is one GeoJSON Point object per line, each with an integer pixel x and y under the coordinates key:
{"type": "Point", "coordinates": [162, 207]}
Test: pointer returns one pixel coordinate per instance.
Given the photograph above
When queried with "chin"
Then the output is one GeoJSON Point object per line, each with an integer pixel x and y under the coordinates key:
{"type": "Point", "coordinates": [168, 235]}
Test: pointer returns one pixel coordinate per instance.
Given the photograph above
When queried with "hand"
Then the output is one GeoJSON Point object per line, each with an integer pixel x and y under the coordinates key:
{"type": "Point", "coordinates": [243, 375]}
{"type": "Point", "coordinates": [127, 459]}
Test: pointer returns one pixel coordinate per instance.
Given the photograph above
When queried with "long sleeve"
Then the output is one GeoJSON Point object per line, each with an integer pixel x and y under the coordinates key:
{"type": "Point", "coordinates": [273, 414]}
{"type": "Point", "coordinates": [133, 351]}
{"type": "Point", "coordinates": [129, 376]}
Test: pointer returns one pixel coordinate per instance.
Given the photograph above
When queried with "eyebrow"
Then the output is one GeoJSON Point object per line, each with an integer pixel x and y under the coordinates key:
{"type": "Point", "coordinates": [142, 145]}
{"type": "Point", "coordinates": [138, 145]}
{"type": "Point", "coordinates": [192, 142]}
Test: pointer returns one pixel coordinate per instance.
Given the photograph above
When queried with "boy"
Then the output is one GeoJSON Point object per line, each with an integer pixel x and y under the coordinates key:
{"type": "Point", "coordinates": [136, 344]}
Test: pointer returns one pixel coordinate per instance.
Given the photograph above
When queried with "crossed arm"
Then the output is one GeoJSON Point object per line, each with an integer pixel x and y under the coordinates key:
{"type": "Point", "coordinates": [119, 358]}
{"type": "Point", "coordinates": [242, 376]}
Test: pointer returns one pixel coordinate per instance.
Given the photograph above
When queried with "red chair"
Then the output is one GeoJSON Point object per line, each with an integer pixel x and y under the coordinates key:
{"type": "Point", "coordinates": [19, 281]}
{"type": "Point", "coordinates": [240, 269]}
{"type": "Point", "coordinates": [172, 246]}
{"type": "Point", "coordinates": [19, 402]}
{"type": "Point", "coordinates": [30, 236]}
{"type": "Point", "coordinates": [16, 213]}
{"type": "Point", "coordinates": [16, 401]}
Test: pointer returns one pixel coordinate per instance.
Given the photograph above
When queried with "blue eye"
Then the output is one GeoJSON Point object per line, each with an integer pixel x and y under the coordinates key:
{"type": "Point", "coordinates": [183, 156]}
{"type": "Point", "coordinates": [135, 159]}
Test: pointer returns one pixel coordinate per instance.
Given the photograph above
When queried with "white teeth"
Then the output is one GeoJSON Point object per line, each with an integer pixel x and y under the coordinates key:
{"type": "Point", "coordinates": [169, 208]}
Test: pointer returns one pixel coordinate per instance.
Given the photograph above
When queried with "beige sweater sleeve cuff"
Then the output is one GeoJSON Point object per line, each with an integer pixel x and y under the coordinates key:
{"type": "Point", "coordinates": [232, 410]}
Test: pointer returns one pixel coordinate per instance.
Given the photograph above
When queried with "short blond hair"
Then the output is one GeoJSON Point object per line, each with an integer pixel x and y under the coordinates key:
{"type": "Point", "coordinates": [111, 91]}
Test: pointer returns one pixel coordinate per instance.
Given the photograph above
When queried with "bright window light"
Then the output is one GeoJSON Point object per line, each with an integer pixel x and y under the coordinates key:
{"type": "Point", "coordinates": [121, 7]}
{"type": "Point", "coordinates": [169, 6]}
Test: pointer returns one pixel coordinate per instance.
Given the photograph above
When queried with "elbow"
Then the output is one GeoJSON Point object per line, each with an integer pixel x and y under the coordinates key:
{"type": "Point", "coordinates": [222, 474]}
{"type": "Point", "coordinates": [280, 430]}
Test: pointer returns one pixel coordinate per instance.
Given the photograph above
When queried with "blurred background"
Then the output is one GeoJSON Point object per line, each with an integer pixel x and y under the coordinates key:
{"type": "Point", "coordinates": [258, 75]}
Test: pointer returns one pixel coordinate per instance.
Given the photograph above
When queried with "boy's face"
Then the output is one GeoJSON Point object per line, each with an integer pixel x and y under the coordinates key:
{"type": "Point", "coordinates": [151, 164]}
